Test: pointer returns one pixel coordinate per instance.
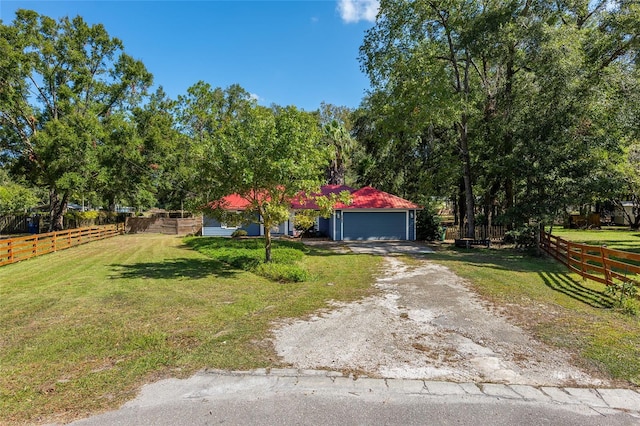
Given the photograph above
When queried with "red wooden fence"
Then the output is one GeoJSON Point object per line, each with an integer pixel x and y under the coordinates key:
{"type": "Point", "coordinates": [597, 263]}
{"type": "Point", "coordinates": [21, 248]}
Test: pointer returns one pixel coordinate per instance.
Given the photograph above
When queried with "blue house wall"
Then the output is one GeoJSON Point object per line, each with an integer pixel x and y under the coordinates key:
{"type": "Point", "coordinates": [211, 227]}
{"type": "Point", "coordinates": [324, 226]}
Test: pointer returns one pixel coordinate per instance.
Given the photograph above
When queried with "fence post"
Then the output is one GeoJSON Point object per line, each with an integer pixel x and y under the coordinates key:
{"type": "Point", "coordinates": [11, 251]}
{"type": "Point", "coordinates": [605, 266]}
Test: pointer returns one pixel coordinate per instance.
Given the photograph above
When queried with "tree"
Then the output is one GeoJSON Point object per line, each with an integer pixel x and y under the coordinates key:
{"type": "Point", "coordinates": [268, 156]}
{"type": "Point", "coordinates": [336, 134]}
{"type": "Point", "coordinates": [522, 90]}
{"type": "Point", "coordinates": [418, 51]}
{"type": "Point", "coordinates": [14, 197]}
{"type": "Point", "coordinates": [628, 174]}
{"type": "Point", "coordinates": [60, 82]}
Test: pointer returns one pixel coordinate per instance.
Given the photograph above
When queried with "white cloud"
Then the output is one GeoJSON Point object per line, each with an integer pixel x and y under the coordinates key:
{"type": "Point", "coordinates": [254, 97]}
{"type": "Point", "coordinates": [352, 11]}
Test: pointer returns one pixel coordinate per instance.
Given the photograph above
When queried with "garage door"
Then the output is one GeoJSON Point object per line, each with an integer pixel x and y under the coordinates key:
{"type": "Point", "coordinates": [374, 226]}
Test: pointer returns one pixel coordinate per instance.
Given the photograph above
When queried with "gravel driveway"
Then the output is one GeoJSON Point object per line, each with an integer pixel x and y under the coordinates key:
{"type": "Point", "coordinates": [425, 324]}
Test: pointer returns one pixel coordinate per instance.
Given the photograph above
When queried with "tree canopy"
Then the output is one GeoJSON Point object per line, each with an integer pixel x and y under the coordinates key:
{"type": "Point", "coordinates": [515, 105]}
{"type": "Point", "coordinates": [61, 84]}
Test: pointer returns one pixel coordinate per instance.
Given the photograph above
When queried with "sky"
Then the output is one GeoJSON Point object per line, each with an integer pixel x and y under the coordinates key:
{"type": "Point", "coordinates": [296, 52]}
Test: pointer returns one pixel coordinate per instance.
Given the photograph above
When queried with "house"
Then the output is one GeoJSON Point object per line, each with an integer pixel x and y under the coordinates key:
{"type": "Point", "coordinates": [372, 215]}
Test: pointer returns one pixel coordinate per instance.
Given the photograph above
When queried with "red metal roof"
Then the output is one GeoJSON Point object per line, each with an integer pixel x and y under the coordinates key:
{"type": "Point", "coordinates": [235, 202]}
{"type": "Point", "coordinates": [302, 203]}
{"type": "Point", "coordinates": [363, 198]}
{"type": "Point", "coordinates": [372, 198]}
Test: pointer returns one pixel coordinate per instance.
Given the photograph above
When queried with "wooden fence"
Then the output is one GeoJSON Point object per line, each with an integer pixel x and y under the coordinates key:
{"type": "Point", "coordinates": [597, 263]}
{"type": "Point", "coordinates": [482, 232]}
{"type": "Point", "coordinates": [17, 224]}
{"type": "Point", "coordinates": [164, 225]}
{"type": "Point", "coordinates": [21, 248]}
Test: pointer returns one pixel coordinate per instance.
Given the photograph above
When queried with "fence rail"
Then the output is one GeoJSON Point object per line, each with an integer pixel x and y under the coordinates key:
{"type": "Point", "coordinates": [22, 248]}
{"type": "Point", "coordinates": [597, 263]}
{"type": "Point", "coordinates": [482, 232]}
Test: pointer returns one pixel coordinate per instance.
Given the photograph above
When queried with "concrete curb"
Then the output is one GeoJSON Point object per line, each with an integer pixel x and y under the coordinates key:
{"type": "Point", "coordinates": [601, 400]}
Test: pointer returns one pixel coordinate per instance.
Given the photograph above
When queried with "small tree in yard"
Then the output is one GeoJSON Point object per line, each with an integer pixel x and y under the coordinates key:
{"type": "Point", "coordinates": [265, 155]}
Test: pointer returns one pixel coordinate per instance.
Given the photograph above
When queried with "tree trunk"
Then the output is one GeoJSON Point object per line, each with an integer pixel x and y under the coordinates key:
{"type": "Point", "coordinates": [466, 176]}
{"type": "Point", "coordinates": [267, 243]}
{"type": "Point", "coordinates": [509, 199]}
{"type": "Point", "coordinates": [57, 209]}
{"type": "Point", "coordinates": [112, 204]}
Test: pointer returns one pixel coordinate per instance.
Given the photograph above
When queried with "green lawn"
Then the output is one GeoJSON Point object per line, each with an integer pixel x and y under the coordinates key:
{"type": "Point", "coordinates": [83, 328]}
{"type": "Point", "coordinates": [559, 308]}
{"type": "Point", "coordinates": [616, 238]}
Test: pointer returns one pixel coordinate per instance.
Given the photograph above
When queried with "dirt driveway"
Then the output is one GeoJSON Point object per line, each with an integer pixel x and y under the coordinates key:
{"type": "Point", "coordinates": [425, 324]}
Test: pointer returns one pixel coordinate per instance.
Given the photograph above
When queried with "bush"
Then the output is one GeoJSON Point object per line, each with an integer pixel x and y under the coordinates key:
{"type": "Point", "coordinates": [81, 219]}
{"type": "Point", "coordinates": [624, 295]}
{"type": "Point", "coordinates": [239, 233]}
{"type": "Point", "coordinates": [428, 225]}
{"type": "Point", "coordinates": [281, 272]}
{"type": "Point", "coordinates": [523, 237]}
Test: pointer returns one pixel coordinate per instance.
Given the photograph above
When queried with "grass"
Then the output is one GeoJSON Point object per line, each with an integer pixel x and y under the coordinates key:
{"type": "Point", "coordinates": [82, 329]}
{"type": "Point", "coordinates": [248, 254]}
{"type": "Point", "coordinates": [559, 308]}
{"type": "Point", "coordinates": [615, 238]}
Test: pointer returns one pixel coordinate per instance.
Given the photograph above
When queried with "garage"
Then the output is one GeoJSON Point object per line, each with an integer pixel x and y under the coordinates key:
{"type": "Point", "coordinates": [372, 225]}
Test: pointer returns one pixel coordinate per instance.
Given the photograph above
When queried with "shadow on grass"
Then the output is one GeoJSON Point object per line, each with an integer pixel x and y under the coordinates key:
{"type": "Point", "coordinates": [500, 259]}
{"type": "Point", "coordinates": [565, 285]}
{"type": "Point", "coordinates": [554, 275]}
{"type": "Point", "coordinates": [174, 269]}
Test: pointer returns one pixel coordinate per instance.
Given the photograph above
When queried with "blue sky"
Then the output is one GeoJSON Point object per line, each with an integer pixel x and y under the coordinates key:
{"type": "Point", "coordinates": [284, 52]}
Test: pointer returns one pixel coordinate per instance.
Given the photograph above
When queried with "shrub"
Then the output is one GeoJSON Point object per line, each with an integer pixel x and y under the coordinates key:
{"type": "Point", "coordinates": [523, 237]}
{"type": "Point", "coordinates": [624, 294]}
{"type": "Point", "coordinates": [239, 233]}
{"type": "Point", "coordinates": [81, 219]}
{"type": "Point", "coordinates": [428, 225]}
{"type": "Point", "coordinates": [305, 221]}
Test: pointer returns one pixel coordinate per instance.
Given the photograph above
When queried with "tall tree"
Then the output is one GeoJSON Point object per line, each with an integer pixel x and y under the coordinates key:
{"type": "Point", "coordinates": [418, 51]}
{"type": "Point", "coordinates": [336, 134]}
{"type": "Point", "coordinates": [59, 82]}
{"type": "Point", "coordinates": [526, 86]}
